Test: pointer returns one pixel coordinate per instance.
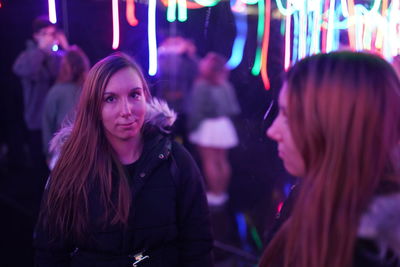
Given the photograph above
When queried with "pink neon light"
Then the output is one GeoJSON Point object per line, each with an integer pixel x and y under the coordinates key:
{"type": "Point", "coordinates": [324, 29]}
{"type": "Point", "coordinates": [115, 16]}
{"type": "Point", "coordinates": [264, 51]}
{"type": "Point", "coordinates": [130, 13]}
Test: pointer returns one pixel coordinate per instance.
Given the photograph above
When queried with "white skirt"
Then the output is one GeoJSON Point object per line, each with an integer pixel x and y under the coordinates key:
{"type": "Point", "coordinates": [216, 132]}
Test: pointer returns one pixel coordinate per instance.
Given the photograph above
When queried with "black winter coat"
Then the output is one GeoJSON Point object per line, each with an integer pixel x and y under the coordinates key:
{"type": "Point", "coordinates": [367, 252]}
{"type": "Point", "coordinates": [168, 221]}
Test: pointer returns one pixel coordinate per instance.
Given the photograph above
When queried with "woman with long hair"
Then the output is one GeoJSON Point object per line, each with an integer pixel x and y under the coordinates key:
{"type": "Point", "coordinates": [212, 104]}
{"type": "Point", "coordinates": [122, 193]}
{"type": "Point", "coordinates": [62, 98]}
{"type": "Point", "coordinates": [338, 129]}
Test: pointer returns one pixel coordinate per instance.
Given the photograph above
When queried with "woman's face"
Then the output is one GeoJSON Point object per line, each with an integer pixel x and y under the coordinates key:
{"type": "Point", "coordinates": [124, 107]}
{"type": "Point", "coordinates": [280, 132]}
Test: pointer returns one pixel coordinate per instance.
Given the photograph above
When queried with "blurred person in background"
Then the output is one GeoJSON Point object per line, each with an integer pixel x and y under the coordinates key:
{"type": "Point", "coordinates": [61, 100]}
{"type": "Point", "coordinates": [177, 70]}
{"type": "Point", "coordinates": [37, 67]}
{"type": "Point", "coordinates": [212, 105]}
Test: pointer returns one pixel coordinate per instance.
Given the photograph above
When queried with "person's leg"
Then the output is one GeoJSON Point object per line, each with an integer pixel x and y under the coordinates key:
{"type": "Point", "coordinates": [224, 169]}
{"type": "Point", "coordinates": [210, 168]}
{"type": "Point", "coordinates": [216, 181]}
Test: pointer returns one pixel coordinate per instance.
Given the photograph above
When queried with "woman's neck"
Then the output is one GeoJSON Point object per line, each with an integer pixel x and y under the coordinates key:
{"type": "Point", "coordinates": [128, 151]}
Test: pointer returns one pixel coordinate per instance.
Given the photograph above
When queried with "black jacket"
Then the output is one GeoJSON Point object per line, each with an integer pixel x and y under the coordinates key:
{"type": "Point", "coordinates": [168, 220]}
{"type": "Point", "coordinates": [378, 237]}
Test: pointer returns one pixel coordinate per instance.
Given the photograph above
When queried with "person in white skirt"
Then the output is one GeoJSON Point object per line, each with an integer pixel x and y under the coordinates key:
{"type": "Point", "coordinates": [212, 104]}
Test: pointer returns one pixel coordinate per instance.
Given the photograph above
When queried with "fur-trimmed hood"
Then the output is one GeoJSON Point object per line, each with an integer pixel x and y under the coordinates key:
{"type": "Point", "coordinates": [381, 223]}
{"type": "Point", "coordinates": [158, 115]}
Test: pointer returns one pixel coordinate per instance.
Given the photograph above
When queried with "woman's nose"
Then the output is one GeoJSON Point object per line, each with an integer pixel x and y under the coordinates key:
{"type": "Point", "coordinates": [273, 131]}
{"type": "Point", "coordinates": [125, 108]}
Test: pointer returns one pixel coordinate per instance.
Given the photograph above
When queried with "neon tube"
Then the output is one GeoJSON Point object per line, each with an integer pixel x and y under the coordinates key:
{"type": "Point", "coordinates": [295, 36]}
{"type": "Point", "coordinates": [316, 33]}
{"type": "Point", "coordinates": [238, 44]}
{"type": "Point", "coordinates": [52, 11]}
{"type": "Point", "coordinates": [260, 31]}
{"type": "Point", "coordinates": [331, 21]}
{"type": "Point", "coordinates": [287, 38]}
{"type": "Point", "coordinates": [351, 27]}
{"type": "Point", "coordinates": [264, 52]}
{"type": "Point", "coordinates": [130, 13]}
{"type": "Point", "coordinates": [302, 31]}
{"type": "Point", "coordinates": [115, 16]}
{"type": "Point", "coordinates": [171, 10]}
{"type": "Point", "coordinates": [208, 3]}
{"type": "Point", "coordinates": [182, 10]}
{"type": "Point", "coordinates": [151, 29]}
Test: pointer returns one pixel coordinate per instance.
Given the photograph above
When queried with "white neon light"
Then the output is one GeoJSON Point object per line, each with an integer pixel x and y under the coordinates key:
{"type": "Point", "coordinates": [52, 11]}
{"type": "Point", "coordinates": [151, 29]}
{"type": "Point", "coordinates": [115, 16]}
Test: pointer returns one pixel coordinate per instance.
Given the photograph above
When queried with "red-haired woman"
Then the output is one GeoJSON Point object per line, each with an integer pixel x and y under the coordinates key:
{"type": "Point", "coordinates": [62, 97]}
{"type": "Point", "coordinates": [338, 128]}
{"type": "Point", "coordinates": [212, 104]}
{"type": "Point", "coordinates": [122, 193]}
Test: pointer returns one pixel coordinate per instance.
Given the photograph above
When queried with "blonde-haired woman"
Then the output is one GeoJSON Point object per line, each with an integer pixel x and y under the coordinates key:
{"type": "Point", "coordinates": [338, 128]}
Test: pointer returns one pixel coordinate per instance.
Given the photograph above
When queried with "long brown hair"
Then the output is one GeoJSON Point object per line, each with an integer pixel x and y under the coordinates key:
{"type": "Point", "coordinates": [87, 160]}
{"type": "Point", "coordinates": [74, 66]}
{"type": "Point", "coordinates": [344, 115]}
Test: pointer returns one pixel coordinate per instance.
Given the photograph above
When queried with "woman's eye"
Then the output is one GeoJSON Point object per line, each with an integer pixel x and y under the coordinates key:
{"type": "Point", "coordinates": [109, 99]}
{"type": "Point", "coordinates": [136, 95]}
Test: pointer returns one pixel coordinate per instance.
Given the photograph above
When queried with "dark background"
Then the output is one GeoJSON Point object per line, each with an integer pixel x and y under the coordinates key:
{"type": "Point", "coordinates": [259, 181]}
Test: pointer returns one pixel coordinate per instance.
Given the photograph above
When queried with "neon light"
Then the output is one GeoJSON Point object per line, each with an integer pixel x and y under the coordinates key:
{"type": "Point", "coordinates": [264, 52]}
{"type": "Point", "coordinates": [351, 27]}
{"type": "Point", "coordinates": [238, 44]}
{"type": "Point", "coordinates": [189, 5]}
{"type": "Point", "coordinates": [295, 36]}
{"type": "Point", "coordinates": [309, 32]}
{"type": "Point", "coordinates": [302, 31]}
{"type": "Point", "coordinates": [249, 2]}
{"type": "Point", "coordinates": [207, 2]}
{"type": "Point", "coordinates": [345, 11]}
{"type": "Point", "coordinates": [331, 18]}
{"type": "Point", "coordinates": [375, 7]}
{"type": "Point", "coordinates": [287, 38]}
{"type": "Point", "coordinates": [130, 13]}
{"type": "Point", "coordinates": [260, 31]}
{"type": "Point", "coordinates": [324, 32]}
{"type": "Point", "coordinates": [115, 16]}
{"type": "Point", "coordinates": [52, 11]}
{"type": "Point", "coordinates": [171, 10]}
{"type": "Point", "coordinates": [285, 11]}
{"type": "Point", "coordinates": [182, 10]}
{"type": "Point", "coordinates": [151, 29]}
{"type": "Point", "coordinates": [315, 44]}
{"type": "Point", "coordinates": [54, 48]}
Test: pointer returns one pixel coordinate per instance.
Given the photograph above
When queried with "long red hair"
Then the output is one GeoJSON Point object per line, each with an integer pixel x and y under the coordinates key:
{"type": "Point", "coordinates": [344, 115]}
{"type": "Point", "coordinates": [87, 160]}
